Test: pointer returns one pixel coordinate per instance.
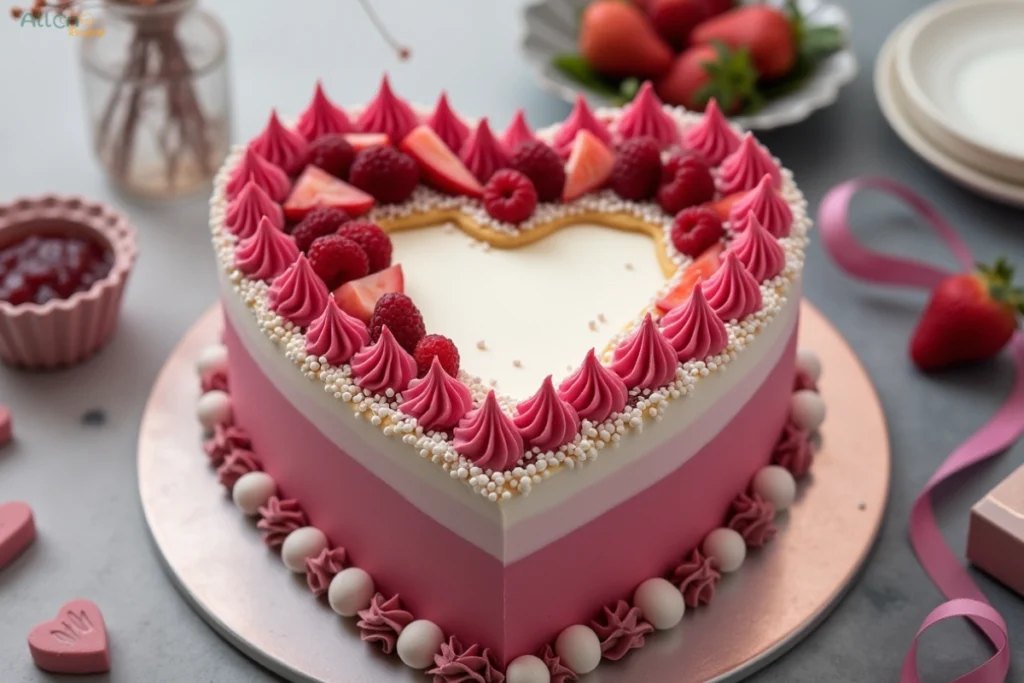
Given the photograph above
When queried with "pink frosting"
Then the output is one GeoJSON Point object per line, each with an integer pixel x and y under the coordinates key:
{"type": "Point", "coordinates": [594, 391]}
{"type": "Point", "coordinates": [298, 294]}
{"type": "Point", "coordinates": [581, 118]}
{"type": "Point", "coordinates": [693, 329]}
{"type": "Point", "coordinates": [488, 437]}
{"type": "Point", "coordinates": [278, 518]}
{"type": "Point", "coordinates": [213, 380]}
{"type": "Point", "coordinates": [545, 421]}
{"type": "Point", "coordinates": [324, 567]}
{"type": "Point", "coordinates": [383, 621]}
{"type": "Point", "coordinates": [284, 148]}
{"type": "Point", "coordinates": [759, 252]}
{"type": "Point", "coordinates": [767, 205]}
{"type": "Point", "coordinates": [458, 664]}
{"type": "Point", "coordinates": [384, 365]}
{"type": "Point", "coordinates": [646, 360]}
{"type": "Point", "coordinates": [793, 450]}
{"type": "Point", "coordinates": [713, 138]}
{"type": "Point", "coordinates": [447, 124]}
{"type": "Point", "coordinates": [517, 133]}
{"type": "Point", "coordinates": [266, 253]}
{"type": "Point", "coordinates": [620, 630]}
{"type": "Point", "coordinates": [732, 291]}
{"type": "Point", "coordinates": [256, 169]}
{"type": "Point", "coordinates": [388, 114]}
{"type": "Point", "coordinates": [559, 672]}
{"type": "Point", "coordinates": [482, 153]}
{"type": "Point", "coordinates": [744, 168]}
{"type": "Point", "coordinates": [225, 439]}
{"type": "Point", "coordinates": [697, 579]}
{"type": "Point", "coordinates": [245, 211]}
{"type": "Point", "coordinates": [754, 518]}
{"type": "Point", "coordinates": [335, 335]}
{"type": "Point", "coordinates": [802, 381]}
{"type": "Point", "coordinates": [438, 400]}
{"type": "Point", "coordinates": [237, 464]}
{"type": "Point", "coordinates": [646, 116]}
{"type": "Point", "coordinates": [323, 117]}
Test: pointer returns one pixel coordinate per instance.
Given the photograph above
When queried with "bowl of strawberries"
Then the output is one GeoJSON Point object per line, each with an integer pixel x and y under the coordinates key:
{"type": "Point", "coordinates": [767, 64]}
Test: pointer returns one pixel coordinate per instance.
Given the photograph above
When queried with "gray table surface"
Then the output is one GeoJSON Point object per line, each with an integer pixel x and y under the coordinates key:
{"type": "Point", "coordinates": [81, 480]}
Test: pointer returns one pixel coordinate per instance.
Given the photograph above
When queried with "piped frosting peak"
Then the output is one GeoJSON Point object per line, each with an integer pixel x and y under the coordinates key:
{"type": "Point", "coordinates": [765, 203]}
{"type": "Point", "coordinates": [517, 133]}
{"type": "Point", "coordinates": [744, 168]}
{"type": "Point", "coordinates": [545, 421]}
{"type": "Point", "coordinates": [447, 124]}
{"type": "Point", "coordinates": [323, 117]}
{"type": "Point", "coordinates": [759, 252]}
{"type": "Point", "coordinates": [284, 148]}
{"type": "Point", "coordinates": [646, 360]}
{"type": "Point", "coordinates": [693, 329]}
{"type": "Point", "coordinates": [335, 335]}
{"type": "Point", "coordinates": [488, 437]}
{"type": "Point", "coordinates": [594, 391]}
{"type": "Point", "coordinates": [254, 168]}
{"type": "Point", "coordinates": [646, 116]}
{"type": "Point", "coordinates": [713, 138]}
{"type": "Point", "coordinates": [387, 113]}
{"type": "Point", "coordinates": [438, 400]}
{"type": "Point", "coordinates": [384, 365]}
{"type": "Point", "coordinates": [266, 253]}
{"type": "Point", "coordinates": [732, 291]}
{"type": "Point", "coordinates": [581, 118]}
{"type": "Point", "coordinates": [298, 294]}
{"type": "Point", "coordinates": [482, 153]}
{"type": "Point", "coordinates": [245, 211]}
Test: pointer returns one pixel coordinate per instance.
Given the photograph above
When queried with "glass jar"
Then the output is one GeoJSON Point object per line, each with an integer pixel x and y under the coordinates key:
{"type": "Point", "coordinates": [157, 93]}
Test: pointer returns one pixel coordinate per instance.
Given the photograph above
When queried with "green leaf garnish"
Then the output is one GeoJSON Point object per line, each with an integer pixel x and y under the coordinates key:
{"type": "Point", "coordinates": [578, 70]}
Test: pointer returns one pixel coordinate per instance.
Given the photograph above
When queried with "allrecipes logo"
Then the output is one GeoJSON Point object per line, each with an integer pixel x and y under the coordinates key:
{"type": "Point", "coordinates": [80, 26]}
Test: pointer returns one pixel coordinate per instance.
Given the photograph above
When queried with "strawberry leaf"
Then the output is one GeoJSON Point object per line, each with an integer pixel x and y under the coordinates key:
{"type": "Point", "coordinates": [999, 279]}
{"type": "Point", "coordinates": [576, 68]}
{"type": "Point", "coordinates": [732, 79]}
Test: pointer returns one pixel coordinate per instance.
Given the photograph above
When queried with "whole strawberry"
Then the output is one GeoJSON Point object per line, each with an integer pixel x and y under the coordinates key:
{"type": "Point", "coordinates": [971, 317]}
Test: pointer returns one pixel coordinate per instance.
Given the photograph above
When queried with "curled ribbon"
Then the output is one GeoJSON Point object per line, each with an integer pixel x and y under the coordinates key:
{"type": "Point", "coordinates": [999, 433]}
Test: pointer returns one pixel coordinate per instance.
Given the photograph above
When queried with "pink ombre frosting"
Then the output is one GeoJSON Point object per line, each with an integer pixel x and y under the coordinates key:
{"type": "Point", "coordinates": [438, 400]}
{"type": "Point", "coordinates": [646, 360]}
{"type": "Point", "coordinates": [284, 148]}
{"type": "Point", "coordinates": [646, 116]}
{"type": "Point", "coordinates": [482, 153]}
{"type": "Point", "coordinates": [732, 291]}
{"type": "Point", "coordinates": [488, 437]}
{"type": "Point", "coordinates": [225, 439]}
{"type": "Point", "coordinates": [237, 464]}
{"type": "Point", "coordinates": [245, 210]}
{"type": "Point", "coordinates": [560, 673]}
{"type": "Point", "coordinates": [383, 621]}
{"type": "Point", "coordinates": [697, 579]}
{"type": "Point", "coordinates": [517, 133]}
{"type": "Point", "coordinates": [278, 518]}
{"type": "Point", "coordinates": [335, 335]}
{"type": "Point", "coordinates": [581, 118]}
{"type": "Point", "coordinates": [767, 205]}
{"type": "Point", "coordinates": [793, 450]}
{"type": "Point", "coordinates": [713, 138]}
{"type": "Point", "coordinates": [323, 117]}
{"type": "Point", "coordinates": [388, 114]}
{"type": "Point", "coordinates": [254, 168]}
{"type": "Point", "coordinates": [620, 629]}
{"type": "Point", "coordinates": [754, 518]}
{"type": "Point", "coordinates": [693, 329]}
{"type": "Point", "coordinates": [447, 124]}
{"type": "Point", "coordinates": [324, 567]}
{"type": "Point", "coordinates": [744, 168]}
{"type": "Point", "coordinates": [594, 391]}
{"type": "Point", "coordinates": [545, 421]}
{"type": "Point", "coordinates": [458, 664]}
{"type": "Point", "coordinates": [384, 365]}
{"type": "Point", "coordinates": [759, 252]}
{"type": "Point", "coordinates": [266, 253]}
{"type": "Point", "coordinates": [298, 294]}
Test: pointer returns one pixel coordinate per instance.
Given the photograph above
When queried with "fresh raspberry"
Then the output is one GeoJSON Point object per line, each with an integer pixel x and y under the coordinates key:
{"type": "Point", "coordinates": [685, 181]}
{"type": "Point", "coordinates": [319, 222]}
{"type": "Point", "coordinates": [440, 346]}
{"type": "Point", "coordinates": [509, 196]}
{"type": "Point", "coordinates": [637, 170]}
{"type": "Point", "coordinates": [384, 172]}
{"type": "Point", "coordinates": [332, 153]}
{"type": "Point", "coordinates": [695, 229]}
{"type": "Point", "coordinates": [337, 260]}
{"type": "Point", "coordinates": [400, 314]}
{"type": "Point", "coordinates": [374, 241]}
{"type": "Point", "coordinates": [543, 167]}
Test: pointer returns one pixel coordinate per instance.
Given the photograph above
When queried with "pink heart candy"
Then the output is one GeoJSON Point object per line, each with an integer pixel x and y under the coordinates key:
{"type": "Point", "coordinates": [17, 531]}
{"type": "Point", "coordinates": [73, 643]}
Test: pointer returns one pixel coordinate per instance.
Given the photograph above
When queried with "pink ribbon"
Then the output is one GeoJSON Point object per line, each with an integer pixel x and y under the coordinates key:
{"type": "Point", "coordinates": [1005, 427]}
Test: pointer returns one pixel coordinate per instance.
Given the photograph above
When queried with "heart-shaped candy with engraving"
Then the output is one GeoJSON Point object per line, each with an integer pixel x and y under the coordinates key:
{"type": "Point", "coordinates": [17, 531]}
{"type": "Point", "coordinates": [75, 642]}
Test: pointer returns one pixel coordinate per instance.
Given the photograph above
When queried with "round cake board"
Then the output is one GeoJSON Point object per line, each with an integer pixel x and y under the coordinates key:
{"type": "Point", "coordinates": [217, 559]}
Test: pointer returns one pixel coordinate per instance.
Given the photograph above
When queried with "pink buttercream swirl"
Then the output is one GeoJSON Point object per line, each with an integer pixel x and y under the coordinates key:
{"type": "Point", "coordinates": [438, 400]}
{"type": "Point", "coordinates": [298, 294]}
{"type": "Point", "coordinates": [713, 138]}
{"type": "Point", "coordinates": [384, 365]}
{"type": "Point", "coordinates": [447, 124]}
{"type": "Point", "coordinates": [323, 117]}
{"type": "Point", "coordinates": [266, 253]}
{"type": "Point", "coordinates": [482, 153]}
{"type": "Point", "coordinates": [693, 329]}
{"type": "Point", "coordinates": [388, 114]}
{"type": "Point", "coordinates": [759, 252]}
{"type": "Point", "coordinates": [324, 567]}
{"type": "Point", "coordinates": [793, 450]}
{"type": "Point", "coordinates": [284, 148]}
{"type": "Point", "coordinates": [767, 205]}
{"type": "Point", "coordinates": [488, 437]}
{"type": "Point", "coordinates": [594, 391]}
{"type": "Point", "coordinates": [732, 291]}
{"type": "Point", "coordinates": [336, 336]}
{"type": "Point", "coordinates": [646, 117]}
{"type": "Point", "coordinates": [245, 211]}
{"type": "Point", "coordinates": [225, 439]}
{"type": "Point", "coordinates": [383, 621]}
{"type": "Point", "coordinates": [237, 464]}
{"type": "Point", "coordinates": [559, 672]}
{"type": "Point", "coordinates": [517, 133]}
{"type": "Point", "coordinates": [254, 168]}
{"type": "Point", "coordinates": [754, 518]}
{"type": "Point", "coordinates": [697, 578]}
{"type": "Point", "coordinates": [744, 168]}
{"type": "Point", "coordinates": [545, 421]}
{"type": "Point", "coordinates": [213, 380]}
{"type": "Point", "coordinates": [620, 630]}
{"type": "Point", "coordinates": [458, 664]}
{"type": "Point", "coordinates": [278, 518]}
{"type": "Point", "coordinates": [581, 118]}
{"type": "Point", "coordinates": [646, 360]}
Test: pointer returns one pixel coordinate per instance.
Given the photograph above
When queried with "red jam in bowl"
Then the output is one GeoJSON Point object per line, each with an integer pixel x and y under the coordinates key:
{"type": "Point", "coordinates": [39, 268]}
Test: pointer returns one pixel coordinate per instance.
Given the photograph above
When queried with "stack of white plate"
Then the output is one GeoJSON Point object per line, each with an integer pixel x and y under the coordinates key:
{"type": "Point", "coordinates": [950, 81]}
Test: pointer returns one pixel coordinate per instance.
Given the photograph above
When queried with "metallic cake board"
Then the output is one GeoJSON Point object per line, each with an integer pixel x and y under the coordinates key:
{"type": "Point", "coordinates": [216, 558]}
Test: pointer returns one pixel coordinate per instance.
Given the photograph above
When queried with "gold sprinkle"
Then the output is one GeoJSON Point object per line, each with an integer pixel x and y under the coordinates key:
{"type": "Point", "coordinates": [517, 363]}
{"type": "Point", "coordinates": [493, 382]}
{"type": "Point", "coordinates": [601, 318]}
{"type": "Point", "coordinates": [592, 325]}
{"type": "Point", "coordinates": [629, 266]}
{"type": "Point", "coordinates": [481, 345]}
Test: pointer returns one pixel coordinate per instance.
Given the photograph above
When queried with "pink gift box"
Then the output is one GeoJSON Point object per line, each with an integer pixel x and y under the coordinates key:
{"type": "Point", "coordinates": [995, 538]}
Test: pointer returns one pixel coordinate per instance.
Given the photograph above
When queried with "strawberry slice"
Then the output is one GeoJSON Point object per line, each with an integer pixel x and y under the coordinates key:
{"type": "Point", "coordinates": [723, 206]}
{"type": "Point", "coordinates": [441, 167]}
{"type": "Point", "coordinates": [358, 297]}
{"type": "Point", "coordinates": [317, 188]}
{"type": "Point", "coordinates": [590, 166]}
{"type": "Point", "coordinates": [361, 141]}
{"type": "Point", "coordinates": [704, 267]}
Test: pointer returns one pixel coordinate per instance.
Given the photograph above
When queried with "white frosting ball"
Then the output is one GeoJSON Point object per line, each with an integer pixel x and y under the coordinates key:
{"type": "Point", "coordinates": [809, 362]}
{"type": "Point", "coordinates": [776, 484]}
{"type": "Point", "coordinates": [300, 545]}
{"type": "Point", "coordinates": [350, 591]}
{"type": "Point", "coordinates": [579, 648]}
{"type": "Point", "coordinates": [418, 643]}
{"type": "Point", "coordinates": [213, 408]}
{"type": "Point", "coordinates": [214, 357]}
{"type": "Point", "coordinates": [727, 546]}
{"type": "Point", "coordinates": [252, 491]}
{"type": "Point", "coordinates": [660, 602]}
{"type": "Point", "coordinates": [528, 669]}
{"type": "Point", "coordinates": [807, 410]}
